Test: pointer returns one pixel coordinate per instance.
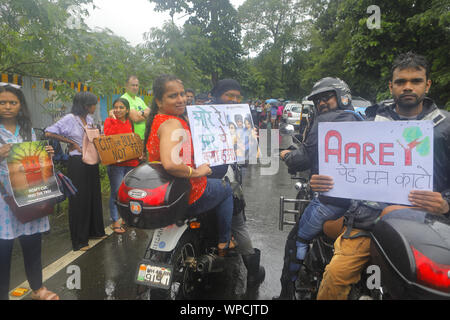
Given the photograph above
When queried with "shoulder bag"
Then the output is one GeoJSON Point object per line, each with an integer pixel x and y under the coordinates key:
{"type": "Point", "coordinates": [89, 152]}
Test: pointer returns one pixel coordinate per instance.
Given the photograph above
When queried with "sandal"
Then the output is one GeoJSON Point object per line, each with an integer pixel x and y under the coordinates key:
{"type": "Point", "coordinates": [44, 294]}
{"type": "Point", "coordinates": [115, 229]}
{"type": "Point", "coordinates": [229, 250]}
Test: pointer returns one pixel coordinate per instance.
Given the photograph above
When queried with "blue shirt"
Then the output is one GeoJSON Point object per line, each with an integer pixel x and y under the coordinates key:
{"type": "Point", "coordinates": [71, 127]}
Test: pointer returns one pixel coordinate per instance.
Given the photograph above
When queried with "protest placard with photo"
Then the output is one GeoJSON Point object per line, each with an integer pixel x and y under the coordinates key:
{"type": "Point", "coordinates": [377, 161]}
{"type": "Point", "coordinates": [221, 134]}
{"type": "Point", "coordinates": [31, 173]}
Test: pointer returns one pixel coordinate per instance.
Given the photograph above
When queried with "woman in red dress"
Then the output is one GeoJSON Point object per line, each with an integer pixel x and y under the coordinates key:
{"type": "Point", "coordinates": [117, 123]}
{"type": "Point", "coordinates": [166, 131]}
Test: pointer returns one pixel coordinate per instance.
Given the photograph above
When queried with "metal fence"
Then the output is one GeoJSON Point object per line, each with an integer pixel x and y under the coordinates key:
{"type": "Point", "coordinates": [44, 112]}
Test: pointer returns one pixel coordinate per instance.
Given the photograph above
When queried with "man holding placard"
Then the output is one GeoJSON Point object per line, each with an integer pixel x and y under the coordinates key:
{"type": "Point", "coordinates": [409, 85]}
{"type": "Point", "coordinates": [332, 99]}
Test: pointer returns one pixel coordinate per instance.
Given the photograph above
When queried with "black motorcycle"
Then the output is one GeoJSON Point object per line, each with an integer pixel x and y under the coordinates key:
{"type": "Point", "coordinates": [181, 259]}
{"type": "Point", "coordinates": [408, 259]}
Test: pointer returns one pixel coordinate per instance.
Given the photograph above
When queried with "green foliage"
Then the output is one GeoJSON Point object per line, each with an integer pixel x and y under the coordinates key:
{"type": "Point", "coordinates": [43, 38]}
{"type": "Point", "coordinates": [332, 38]}
{"type": "Point", "coordinates": [275, 48]}
{"type": "Point", "coordinates": [208, 45]}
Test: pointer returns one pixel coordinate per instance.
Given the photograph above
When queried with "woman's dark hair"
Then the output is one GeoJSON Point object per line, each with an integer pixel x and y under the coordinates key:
{"type": "Point", "coordinates": [82, 101]}
{"type": "Point", "coordinates": [125, 103]}
{"type": "Point", "coordinates": [159, 88]}
{"type": "Point", "coordinates": [23, 117]}
{"type": "Point", "coordinates": [249, 120]}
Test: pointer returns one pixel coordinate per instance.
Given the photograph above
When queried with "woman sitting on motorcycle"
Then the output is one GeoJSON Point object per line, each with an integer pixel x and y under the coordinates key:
{"type": "Point", "coordinates": [167, 130]}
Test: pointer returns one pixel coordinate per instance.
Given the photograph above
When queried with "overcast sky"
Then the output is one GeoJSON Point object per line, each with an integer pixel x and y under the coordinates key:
{"type": "Point", "coordinates": [130, 18]}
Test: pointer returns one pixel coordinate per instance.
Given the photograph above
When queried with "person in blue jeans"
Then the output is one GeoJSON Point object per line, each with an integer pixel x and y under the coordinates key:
{"type": "Point", "coordinates": [311, 222]}
{"type": "Point", "coordinates": [332, 100]}
{"type": "Point", "coordinates": [118, 122]}
{"type": "Point", "coordinates": [168, 140]}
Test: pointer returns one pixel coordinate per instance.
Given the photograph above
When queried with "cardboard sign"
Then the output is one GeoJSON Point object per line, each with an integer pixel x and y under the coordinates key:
{"type": "Point", "coordinates": [31, 173]}
{"type": "Point", "coordinates": [222, 134]}
{"type": "Point", "coordinates": [118, 148]}
{"type": "Point", "coordinates": [377, 161]}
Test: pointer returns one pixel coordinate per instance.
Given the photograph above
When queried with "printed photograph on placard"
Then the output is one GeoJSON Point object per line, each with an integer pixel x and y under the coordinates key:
{"type": "Point", "coordinates": [243, 132]}
{"type": "Point", "coordinates": [223, 134]}
{"type": "Point", "coordinates": [211, 135]}
{"type": "Point", "coordinates": [31, 173]}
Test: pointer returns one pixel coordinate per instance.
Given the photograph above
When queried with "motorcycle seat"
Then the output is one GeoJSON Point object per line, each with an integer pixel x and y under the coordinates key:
{"type": "Point", "coordinates": [333, 228]}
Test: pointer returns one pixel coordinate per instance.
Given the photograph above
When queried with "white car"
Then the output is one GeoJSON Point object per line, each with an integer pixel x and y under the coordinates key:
{"type": "Point", "coordinates": [296, 112]}
{"type": "Point", "coordinates": [288, 108]}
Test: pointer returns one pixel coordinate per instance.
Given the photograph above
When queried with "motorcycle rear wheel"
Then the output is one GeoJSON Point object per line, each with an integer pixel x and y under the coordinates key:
{"type": "Point", "coordinates": [185, 281]}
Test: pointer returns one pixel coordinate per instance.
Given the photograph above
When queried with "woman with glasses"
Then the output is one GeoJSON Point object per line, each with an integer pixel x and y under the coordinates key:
{"type": "Point", "coordinates": [16, 127]}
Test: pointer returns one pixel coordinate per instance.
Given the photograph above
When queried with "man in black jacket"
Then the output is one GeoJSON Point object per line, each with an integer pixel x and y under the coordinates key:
{"type": "Point", "coordinates": [228, 91]}
{"type": "Point", "coordinates": [332, 98]}
{"type": "Point", "coordinates": [409, 85]}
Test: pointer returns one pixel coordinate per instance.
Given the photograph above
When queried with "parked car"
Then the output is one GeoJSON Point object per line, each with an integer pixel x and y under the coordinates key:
{"type": "Point", "coordinates": [296, 113]}
{"type": "Point", "coordinates": [287, 108]}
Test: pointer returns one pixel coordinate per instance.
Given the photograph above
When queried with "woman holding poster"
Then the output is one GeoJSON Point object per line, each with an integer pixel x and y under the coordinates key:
{"type": "Point", "coordinates": [117, 123]}
{"type": "Point", "coordinates": [167, 130]}
{"type": "Point", "coordinates": [15, 127]}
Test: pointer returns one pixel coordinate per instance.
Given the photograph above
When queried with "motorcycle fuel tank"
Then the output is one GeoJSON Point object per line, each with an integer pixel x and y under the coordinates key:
{"type": "Point", "coordinates": [150, 198]}
{"type": "Point", "coordinates": [414, 257]}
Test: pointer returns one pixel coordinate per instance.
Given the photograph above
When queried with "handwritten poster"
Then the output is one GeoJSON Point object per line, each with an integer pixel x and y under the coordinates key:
{"type": "Point", "coordinates": [31, 173]}
{"type": "Point", "coordinates": [118, 148]}
{"type": "Point", "coordinates": [222, 134]}
{"type": "Point", "coordinates": [377, 161]}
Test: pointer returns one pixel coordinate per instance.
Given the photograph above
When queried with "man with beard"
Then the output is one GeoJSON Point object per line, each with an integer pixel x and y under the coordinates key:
{"type": "Point", "coordinates": [409, 85]}
{"type": "Point", "coordinates": [332, 99]}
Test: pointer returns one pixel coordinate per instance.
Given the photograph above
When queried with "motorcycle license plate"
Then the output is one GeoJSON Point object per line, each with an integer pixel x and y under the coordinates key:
{"type": "Point", "coordinates": [297, 122]}
{"type": "Point", "coordinates": [154, 274]}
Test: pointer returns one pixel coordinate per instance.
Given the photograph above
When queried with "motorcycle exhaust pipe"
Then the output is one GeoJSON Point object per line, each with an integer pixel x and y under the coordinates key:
{"type": "Point", "coordinates": [209, 263]}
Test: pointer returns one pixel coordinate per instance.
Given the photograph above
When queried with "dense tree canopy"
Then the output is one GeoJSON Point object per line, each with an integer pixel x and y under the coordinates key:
{"type": "Point", "coordinates": [275, 48]}
{"type": "Point", "coordinates": [49, 39]}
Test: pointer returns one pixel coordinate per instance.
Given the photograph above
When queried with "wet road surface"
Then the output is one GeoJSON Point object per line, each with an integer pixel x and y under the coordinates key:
{"type": "Point", "coordinates": [107, 271]}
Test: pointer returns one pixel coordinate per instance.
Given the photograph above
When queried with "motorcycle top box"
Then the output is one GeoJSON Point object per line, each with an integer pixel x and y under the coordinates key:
{"type": "Point", "coordinates": [150, 198]}
{"type": "Point", "coordinates": [413, 256]}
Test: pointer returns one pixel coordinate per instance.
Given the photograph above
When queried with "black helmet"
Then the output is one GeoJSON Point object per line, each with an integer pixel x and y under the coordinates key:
{"type": "Point", "coordinates": [343, 94]}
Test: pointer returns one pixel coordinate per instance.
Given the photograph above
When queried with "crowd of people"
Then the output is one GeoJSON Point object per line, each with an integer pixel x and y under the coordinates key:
{"type": "Point", "coordinates": [155, 124]}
